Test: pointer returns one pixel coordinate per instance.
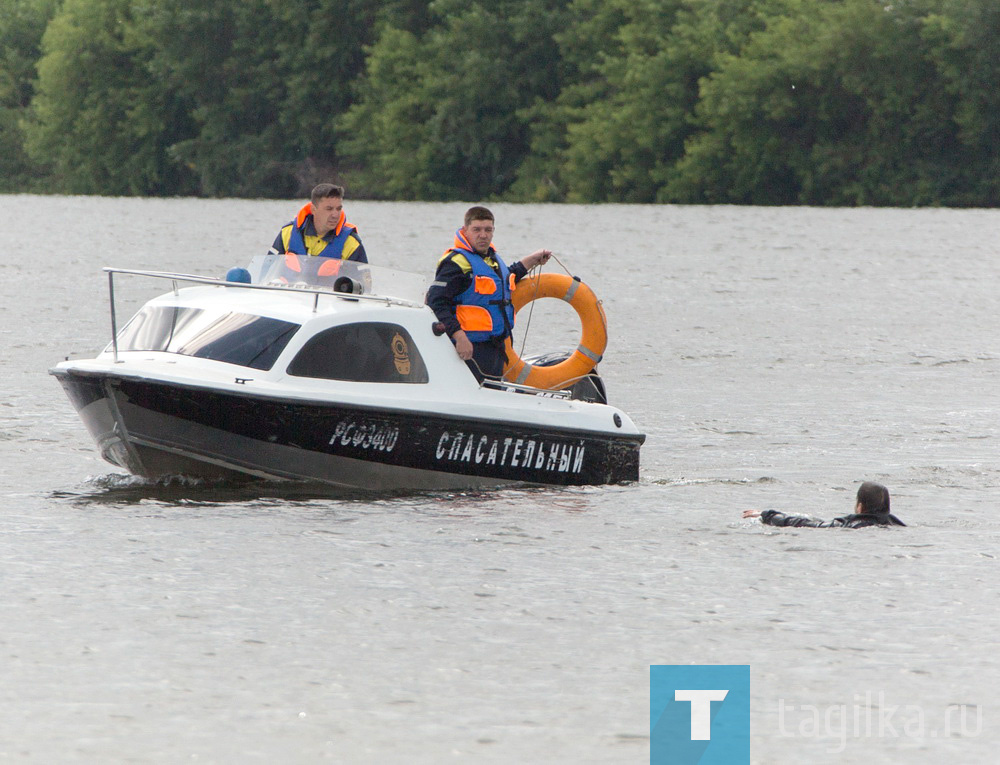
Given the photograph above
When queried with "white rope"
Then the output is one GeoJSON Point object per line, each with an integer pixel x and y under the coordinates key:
{"type": "Point", "coordinates": [536, 271]}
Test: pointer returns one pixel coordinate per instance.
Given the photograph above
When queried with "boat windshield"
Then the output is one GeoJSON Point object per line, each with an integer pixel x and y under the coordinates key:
{"type": "Point", "coordinates": [337, 275]}
{"type": "Point", "coordinates": [222, 335]}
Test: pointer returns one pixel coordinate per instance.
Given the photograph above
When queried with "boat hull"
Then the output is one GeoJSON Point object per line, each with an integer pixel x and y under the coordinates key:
{"type": "Point", "coordinates": [153, 428]}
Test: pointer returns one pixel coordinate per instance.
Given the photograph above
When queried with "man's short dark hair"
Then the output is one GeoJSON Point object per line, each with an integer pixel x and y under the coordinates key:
{"type": "Point", "coordinates": [478, 213]}
{"type": "Point", "coordinates": [324, 191]}
{"type": "Point", "coordinates": [874, 498]}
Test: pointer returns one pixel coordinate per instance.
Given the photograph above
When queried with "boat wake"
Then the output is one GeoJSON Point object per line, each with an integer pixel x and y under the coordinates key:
{"type": "Point", "coordinates": [123, 489]}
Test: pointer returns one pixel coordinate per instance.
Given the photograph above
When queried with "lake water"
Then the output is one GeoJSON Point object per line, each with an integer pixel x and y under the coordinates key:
{"type": "Point", "coordinates": [775, 357]}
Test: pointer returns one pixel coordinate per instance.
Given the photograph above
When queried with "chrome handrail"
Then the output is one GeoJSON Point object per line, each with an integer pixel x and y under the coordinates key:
{"type": "Point", "coordinates": [505, 385]}
{"type": "Point", "coordinates": [114, 322]}
{"type": "Point", "coordinates": [216, 281]}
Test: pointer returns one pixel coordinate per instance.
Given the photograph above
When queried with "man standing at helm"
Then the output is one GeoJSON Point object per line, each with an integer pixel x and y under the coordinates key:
{"type": "Point", "coordinates": [321, 228]}
{"type": "Point", "coordinates": [471, 294]}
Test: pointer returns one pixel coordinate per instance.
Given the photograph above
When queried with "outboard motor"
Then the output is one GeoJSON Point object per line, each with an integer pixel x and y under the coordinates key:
{"type": "Point", "coordinates": [588, 388]}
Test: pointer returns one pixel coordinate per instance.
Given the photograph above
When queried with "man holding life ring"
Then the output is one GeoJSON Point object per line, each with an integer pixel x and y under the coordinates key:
{"type": "Point", "coordinates": [471, 293]}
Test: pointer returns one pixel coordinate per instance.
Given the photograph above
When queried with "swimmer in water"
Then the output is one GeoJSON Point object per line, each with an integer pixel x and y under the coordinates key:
{"type": "Point", "coordinates": [871, 509]}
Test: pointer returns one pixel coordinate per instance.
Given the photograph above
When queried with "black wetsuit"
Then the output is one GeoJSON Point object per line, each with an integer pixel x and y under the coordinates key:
{"type": "Point", "coordinates": [852, 521]}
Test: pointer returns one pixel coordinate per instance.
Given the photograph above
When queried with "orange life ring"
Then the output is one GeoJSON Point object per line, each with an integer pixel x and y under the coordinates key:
{"type": "Point", "coordinates": [593, 341]}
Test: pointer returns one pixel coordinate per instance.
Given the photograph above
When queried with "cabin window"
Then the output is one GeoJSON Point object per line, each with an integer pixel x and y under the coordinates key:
{"type": "Point", "coordinates": [361, 352]}
{"type": "Point", "coordinates": [235, 338]}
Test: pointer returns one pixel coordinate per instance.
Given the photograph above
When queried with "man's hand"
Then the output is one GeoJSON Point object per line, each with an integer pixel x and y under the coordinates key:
{"type": "Point", "coordinates": [751, 513]}
{"type": "Point", "coordinates": [537, 258]}
{"type": "Point", "coordinates": [462, 345]}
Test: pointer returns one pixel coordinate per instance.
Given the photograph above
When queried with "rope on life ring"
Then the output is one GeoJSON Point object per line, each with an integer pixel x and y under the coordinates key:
{"type": "Point", "coordinates": [593, 340]}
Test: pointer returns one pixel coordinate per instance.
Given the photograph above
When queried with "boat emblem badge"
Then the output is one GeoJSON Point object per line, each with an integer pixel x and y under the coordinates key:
{"type": "Point", "coordinates": [401, 354]}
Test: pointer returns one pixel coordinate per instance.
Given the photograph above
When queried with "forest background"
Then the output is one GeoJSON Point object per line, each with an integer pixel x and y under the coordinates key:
{"type": "Point", "coordinates": [819, 102]}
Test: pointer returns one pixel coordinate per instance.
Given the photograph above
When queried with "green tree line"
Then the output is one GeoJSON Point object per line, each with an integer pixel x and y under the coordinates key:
{"type": "Point", "coordinates": [821, 102]}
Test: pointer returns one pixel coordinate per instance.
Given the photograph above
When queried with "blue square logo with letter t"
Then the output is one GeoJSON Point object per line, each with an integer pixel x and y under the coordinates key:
{"type": "Point", "coordinates": [699, 715]}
